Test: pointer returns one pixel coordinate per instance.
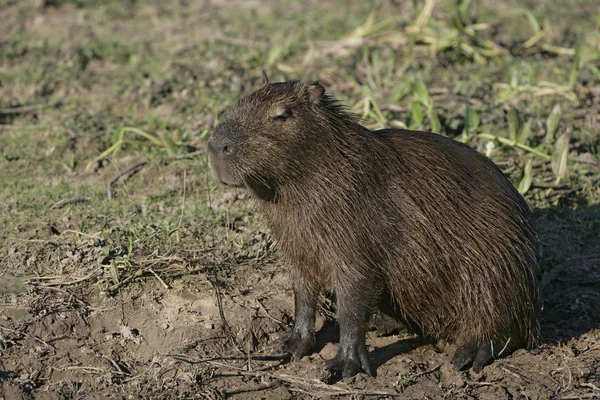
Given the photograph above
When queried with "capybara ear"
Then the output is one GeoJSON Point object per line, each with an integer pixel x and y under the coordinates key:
{"type": "Point", "coordinates": [265, 78]}
{"type": "Point", "coordinates": [315, 91]}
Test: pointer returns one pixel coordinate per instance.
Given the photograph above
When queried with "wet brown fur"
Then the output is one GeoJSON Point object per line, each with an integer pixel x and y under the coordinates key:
{"type": "Point", "coordinates": [413, 223]}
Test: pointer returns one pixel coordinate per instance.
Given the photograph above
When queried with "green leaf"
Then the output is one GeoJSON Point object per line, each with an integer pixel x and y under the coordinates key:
{"type": "Point", "coordinates": [420, 92]}
{"type": "Point", "coordinates": [436, 125]}
{"type": "Point", "coordinates": [513, 78]}
{"type": "Point", "coordinates": [526, 178]}
{"type": "Point", "coordinates": [464, 9]}
{"type": "Point", "coordinates": [535, 24]}
{"type": "Point", "coordinates": [514, 124]}
{"type": "Point", "coordinates": [169, 144]}
{"type": "Point", "coordinates": [399, 93]}
{"type": "Point", "coordinates": [524, 133]}
{"type": "Point", "coordinates": [552, 123]}
{"type": "Point", "coordinates": [573, 76]}
{"type": "Point", "coordinates": [582, 54]}
{"type": "Point", "coordinates": [471, 120]}
{"type": "Point", "coordinates": [276, 53]}
{"type": "Point", "coordinates": [559, 157]}
{"type": "Point", "coordinates": [114, 271]}
{"type": "Point", "coordinates": [417, 114]}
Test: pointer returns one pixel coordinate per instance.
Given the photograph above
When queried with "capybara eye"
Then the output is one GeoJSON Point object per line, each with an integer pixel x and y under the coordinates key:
{"type": "Point", "coordinates": [283, 116]}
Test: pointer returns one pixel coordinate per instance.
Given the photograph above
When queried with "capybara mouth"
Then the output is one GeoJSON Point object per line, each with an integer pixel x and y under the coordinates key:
{"type": "Point", "coordinates": [220, 171]}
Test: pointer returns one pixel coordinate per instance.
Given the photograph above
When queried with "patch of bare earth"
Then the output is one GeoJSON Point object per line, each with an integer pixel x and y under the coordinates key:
{"type": "Point", "coordinates": [166, 337]}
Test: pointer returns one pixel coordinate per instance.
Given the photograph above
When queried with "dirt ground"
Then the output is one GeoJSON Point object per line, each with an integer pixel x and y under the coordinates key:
{"type": "Point", "coordinates": [170, 286]}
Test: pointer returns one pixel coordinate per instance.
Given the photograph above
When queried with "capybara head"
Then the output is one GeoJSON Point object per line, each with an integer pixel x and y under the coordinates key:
{"type": "Point", "coordinates": [259, 142]}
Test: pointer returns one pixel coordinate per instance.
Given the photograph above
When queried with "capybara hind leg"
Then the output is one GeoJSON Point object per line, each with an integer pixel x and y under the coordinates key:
{"type": "Point", "coordinates": [464, 355]}
{"type": "Point", "coordinates": [352, 356]}
{"type": "Point", "coordinates": [472, 352]}
{"type": "Point", "coordinates": [483, 356]}
{"type": "Point", "coordinates": [301, 339]}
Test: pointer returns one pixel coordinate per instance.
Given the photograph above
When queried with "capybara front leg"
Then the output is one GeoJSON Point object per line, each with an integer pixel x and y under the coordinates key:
{"type": "Point", "coordinates": [300, 340]}
{"type": "Point", "coordinates": [352, 356]}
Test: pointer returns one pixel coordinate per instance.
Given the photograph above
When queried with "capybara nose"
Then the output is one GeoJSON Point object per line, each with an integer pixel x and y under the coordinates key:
{"type": "Point", "coordinates": [221, 146]}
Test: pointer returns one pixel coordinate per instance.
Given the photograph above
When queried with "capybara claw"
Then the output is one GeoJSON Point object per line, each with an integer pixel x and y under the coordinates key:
{"type": "Point", "coordinates": [472, 353]}
{"type": "Point", "coordinates": [294, 344]}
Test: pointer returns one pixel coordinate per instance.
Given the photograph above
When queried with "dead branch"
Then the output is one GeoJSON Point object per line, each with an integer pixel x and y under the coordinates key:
{"type": "Point", "coordinates": [128, 171]}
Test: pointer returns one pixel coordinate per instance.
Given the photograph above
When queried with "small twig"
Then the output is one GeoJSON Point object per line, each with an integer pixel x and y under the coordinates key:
{"type": "Point", "coordinates": [513, 373]}
{"type": "Point", "coordinates": [182, 206]}
{"type": "Point", "coordinates": [27, 109]}
{"type": "Point", "coordinates": [88, 369]}
{"type": "Point", "coordinates": [75, 299]}
{"type": "Point", "coordinates": [273, 357]}
{"type": "Point", "coordinates": [326, 390]}
{"type": "Point", "coordinates": [264, 386]}
{"type": "Point", "coordinates": [427, 372]}
{"type": "Point", "coordinates": [159, 278]}
{"type": "Point", "coordinates": [94, 236]}
{"type": "Point", "coordinates": [131, 170]}
{"type": "Point", "coordinates": [63, 283]}
{"type": "Point", "coordinates": [64, 202]}
{"type": "Point", "coordinates": [504, 348]}
{"type": "Point", "coordinates": [224, 323]}
{"type": "Point", "coordinates": [580, 396]}
{"type": "Point", "coordinates": [136, 274]}
{"type": "Point", "coordinates": [267, 313]}
{"type": "Point", "coordinates": [28, 335]}
{"type": "Point", "coordinates": [570, 375]}
{"type": "Point", "coordinates": [477, 384]}
{"type": "Point", "coordinates": [590, 385]}
{"type": "Point", "coordinates": [116, 365]}
{"type": "Point", "coordinates": [332, 390]}
{"type": "Point", "coordinates": [142, 373]}
{"type": "Point", "coordinates": [248, 348]}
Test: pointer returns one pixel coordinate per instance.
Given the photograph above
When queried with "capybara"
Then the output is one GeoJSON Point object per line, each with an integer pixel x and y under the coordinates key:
{"type": "Point", "coordinates": [414, 224]}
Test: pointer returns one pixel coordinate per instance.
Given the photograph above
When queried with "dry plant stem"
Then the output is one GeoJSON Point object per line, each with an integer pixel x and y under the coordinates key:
{"type": "Point", "coordinates": [427, 372]}
{"type": "Point", "coordinates": [272, 357]}
{"type": "Point", "coordinates": [267, 313]}
{"type": "Point", "coordinates": [27, 109]}
{"type": "Point", "coordinates": [28, 335]}
{"type": "Point", "coordinates": [250, 389]}
{"type": "Point", "coordinates": [58, 282]}
{"type": "Point", "coordinates": [513, 143]}
{"type": "Point", "coordinates": [133, 169]}
{"type": "Point", "coordinates": [224, 325]}
{"type": "Point", "coordinates": [114, 364]}
{"type": "Point", "coordinates": [159, 279]}
{"type": "Point", "coordinates": [325, 389]}
{"type": "Point", "coordinates": [72, 200]}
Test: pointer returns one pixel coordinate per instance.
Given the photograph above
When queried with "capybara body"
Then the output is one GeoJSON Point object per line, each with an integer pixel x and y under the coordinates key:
{"type": "Point", "coordinates": [411, 223]}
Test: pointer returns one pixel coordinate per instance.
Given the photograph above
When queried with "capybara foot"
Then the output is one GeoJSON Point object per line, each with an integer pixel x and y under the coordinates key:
{"type": "Point", "coordinates": [295, 344]}
{"type": "Point", "coordinates": [349, 364]}
{"type": "Point", "coordinates": [477, 354]}
{"type": "Point", "coordinates": [384, 325]}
